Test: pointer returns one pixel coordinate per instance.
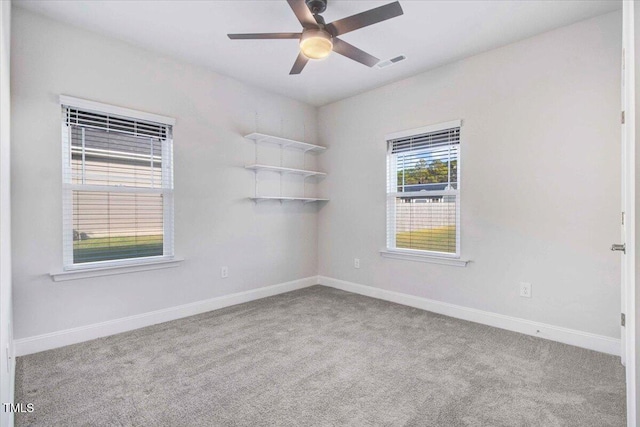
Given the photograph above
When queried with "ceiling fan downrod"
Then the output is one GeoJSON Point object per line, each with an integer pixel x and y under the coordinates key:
{"type": "Point", "coordinates": [316, 6]}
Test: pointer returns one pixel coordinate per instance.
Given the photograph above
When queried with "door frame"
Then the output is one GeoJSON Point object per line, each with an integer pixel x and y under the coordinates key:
{"type": "Point", "coordinates": [628, 138]}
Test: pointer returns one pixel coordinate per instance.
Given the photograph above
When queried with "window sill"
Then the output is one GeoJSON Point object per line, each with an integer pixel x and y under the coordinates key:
{"type": "Point", "coordinates": [84, 273]}
{"type": "Point", "coordinates": [413, 256]}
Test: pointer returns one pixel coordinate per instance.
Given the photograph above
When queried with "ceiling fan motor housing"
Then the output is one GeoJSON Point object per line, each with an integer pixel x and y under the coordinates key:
{"type": "Point", "coordinates": [316, 6]}
{"type": "Point", "coordinates": [316, 43]}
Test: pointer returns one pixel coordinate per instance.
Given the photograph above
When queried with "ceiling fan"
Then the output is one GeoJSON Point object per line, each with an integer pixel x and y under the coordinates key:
{"type": "Point", "coordinates": [318, 40]}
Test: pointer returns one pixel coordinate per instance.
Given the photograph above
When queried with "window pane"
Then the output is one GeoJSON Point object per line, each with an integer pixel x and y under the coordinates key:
{"type": "Point", "coordinates": [426, 223]}
{"type": "Point", "coordinates": [118, 174]}
{"type": "Point", "coordinates": [111, 226]}
{"type": "Point", "coordinates": [425, 165]}
{"type": "Point", "coordinates": [99, 157]}
{"type": "Point", "coordinates": [433, 169]}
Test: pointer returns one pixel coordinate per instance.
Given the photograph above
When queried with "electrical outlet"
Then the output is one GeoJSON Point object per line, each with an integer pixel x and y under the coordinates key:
{"type": "Point", "coordinates": [356, 262]}
{"type": "Point", "coordinates": [224, 272]}
{"type": "Point", "coordinates": [525, 289]}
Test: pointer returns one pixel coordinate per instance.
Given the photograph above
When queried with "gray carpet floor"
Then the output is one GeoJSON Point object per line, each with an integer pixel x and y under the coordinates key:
{"type": "Point", "coordinates": [320, 357]}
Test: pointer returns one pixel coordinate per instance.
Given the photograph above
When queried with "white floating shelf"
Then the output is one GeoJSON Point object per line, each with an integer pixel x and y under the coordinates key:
{"type": "Point", "coordinates": [257, 167]}
{"type": "Point", "coordinates": [288, 199]}
{"type": "Point", "coordinates": [283, 142]}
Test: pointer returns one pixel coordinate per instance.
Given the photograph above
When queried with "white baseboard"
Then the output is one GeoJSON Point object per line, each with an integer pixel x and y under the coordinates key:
{"type": "Point", "coordinates": [555, 333]}
{"type": "Point", "coordinates": [62, 338]}
{"type": "Point", "coordinates": [57, 339]}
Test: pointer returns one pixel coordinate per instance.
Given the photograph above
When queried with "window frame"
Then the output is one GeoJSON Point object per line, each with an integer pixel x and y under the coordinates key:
{"type": "Point", "coordinates": [68, 187]}
{"type": "Point", "coordinates": [391, 250]}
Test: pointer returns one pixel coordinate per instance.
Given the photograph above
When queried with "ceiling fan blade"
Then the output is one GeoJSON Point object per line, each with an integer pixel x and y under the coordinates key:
{"type": "Point", "coordinates": [257, 36]}
{"type": "Point", "coordinates": [373, 16]}
{"type": "Point", "coordinates": [301, 61]}
{"type": "Point", "coordinates": [352, 52]}
{"type": "Point", "coordinates": [303, 13]}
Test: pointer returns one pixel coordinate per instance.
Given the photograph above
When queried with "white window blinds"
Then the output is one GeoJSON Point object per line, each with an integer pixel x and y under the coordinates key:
{"type": "Point", "coordinates": [118, 188]}
{"type": "Point", "coordinates": [423, 199]}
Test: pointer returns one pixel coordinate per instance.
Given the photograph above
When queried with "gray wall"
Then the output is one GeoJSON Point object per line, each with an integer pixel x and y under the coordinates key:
{"type": "Point", "coordinates": [215, 225]}
{"type": "Point", "coordinates": [539, 178]}
{"type": "Point", "coordinates": [6, 342]}
{"type": "Point", "coordinates": [540, 184]}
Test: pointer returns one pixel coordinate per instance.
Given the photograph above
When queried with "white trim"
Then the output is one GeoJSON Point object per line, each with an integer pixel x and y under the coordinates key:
{"type": "Point", "coordinates": [629, 134]}
{"type": "Point", "coordinates": [24, 346]}
{"type": "Point", "coordinates": [115, 189]}
{"type": "Point", "coordinates": [542, 330]}
{"type": "Point", "coordinates": [430, 257]}
{"type": "Point", "coordinates": [12, 390]}
{"type": "Point", "coordinates": [109, 270]}
{"type": "Point", "coordinates": [99, 107]}
{"type": "Point", "coordinates": [425, 129]}
{"type": "Point", "coordinates": [424, 193]}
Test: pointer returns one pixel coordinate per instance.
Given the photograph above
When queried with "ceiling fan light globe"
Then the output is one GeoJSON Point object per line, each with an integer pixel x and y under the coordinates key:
{"type": "Point", "coordinates": [316, 44]}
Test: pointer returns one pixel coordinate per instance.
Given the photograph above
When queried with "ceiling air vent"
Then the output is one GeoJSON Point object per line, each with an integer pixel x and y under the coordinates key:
{"type": "Point", "coordinates": [389, 62]}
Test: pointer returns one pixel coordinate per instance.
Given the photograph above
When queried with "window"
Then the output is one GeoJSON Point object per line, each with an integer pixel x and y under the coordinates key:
{"type": "Point", "coordinates": [423, 195]}
{"type": "Point", "coordinates": [117, 186]}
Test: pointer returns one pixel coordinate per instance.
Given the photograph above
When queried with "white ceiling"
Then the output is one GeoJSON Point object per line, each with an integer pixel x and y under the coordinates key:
{"type": "Point", "coordinates": [430, 34]}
